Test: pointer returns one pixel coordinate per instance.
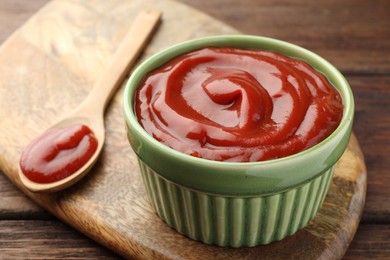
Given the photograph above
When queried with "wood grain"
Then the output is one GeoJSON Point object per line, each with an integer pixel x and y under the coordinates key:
{"type": "Point", "coordinates": [352, 34]}
{"type": "Point", "coordinates": [373, 243]}
{"type": "Point", "coordinates": [14, 13]}
{"type": "Point", "coordinates": [308, 41]}
{"type": "Point", "coordinates": [372, 126]}
{"type": "Point", "coordinates": [45, 234]}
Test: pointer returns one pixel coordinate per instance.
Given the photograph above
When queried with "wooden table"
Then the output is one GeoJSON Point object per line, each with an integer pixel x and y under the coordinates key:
{"type": "Point", "coordinates": [353, 34]}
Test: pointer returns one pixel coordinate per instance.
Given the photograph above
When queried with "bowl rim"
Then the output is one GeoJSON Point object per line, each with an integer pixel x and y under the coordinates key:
{"type": "Point", "coordinates": [252, 41]}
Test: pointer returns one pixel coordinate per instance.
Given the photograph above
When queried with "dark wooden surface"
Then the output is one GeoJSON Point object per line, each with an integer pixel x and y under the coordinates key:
{"type": "Point", "coordinates": [354, 35]}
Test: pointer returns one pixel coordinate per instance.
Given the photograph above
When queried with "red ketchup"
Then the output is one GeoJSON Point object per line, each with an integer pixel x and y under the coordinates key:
{"type": "Point", "coordinates": [58, 153]}
{"type": "Point", "coordinates": [241, 105]}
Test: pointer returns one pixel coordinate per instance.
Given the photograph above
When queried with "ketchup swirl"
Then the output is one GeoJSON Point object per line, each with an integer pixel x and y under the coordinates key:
{"type": "Point", "coordinates": [230, 104]}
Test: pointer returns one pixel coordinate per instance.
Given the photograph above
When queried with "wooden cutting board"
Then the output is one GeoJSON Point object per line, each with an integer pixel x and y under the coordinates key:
{"type": "Point", "coordinates": [49, 65]}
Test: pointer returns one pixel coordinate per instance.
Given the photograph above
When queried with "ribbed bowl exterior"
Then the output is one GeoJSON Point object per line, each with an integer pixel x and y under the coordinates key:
{"type": "Point", "coordinates": [235, 221]}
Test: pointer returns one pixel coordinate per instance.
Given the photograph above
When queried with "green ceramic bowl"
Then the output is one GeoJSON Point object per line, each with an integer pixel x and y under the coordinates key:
{"type": "Point", "coordinates": [237, 204]}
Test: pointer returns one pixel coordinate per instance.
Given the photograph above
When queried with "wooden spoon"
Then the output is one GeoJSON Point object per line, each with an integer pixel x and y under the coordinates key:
{"type": "Point", "coordinates": [91, 111]}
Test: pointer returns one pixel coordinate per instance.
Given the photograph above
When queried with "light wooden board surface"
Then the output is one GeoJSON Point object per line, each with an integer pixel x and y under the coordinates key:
{"type": "Point", "coordinates": [48, 67]}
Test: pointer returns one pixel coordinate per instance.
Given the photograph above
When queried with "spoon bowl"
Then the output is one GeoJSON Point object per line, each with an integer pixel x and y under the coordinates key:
{"type": "Point", "coordinates": [97, 126]}
{"type": "Point", "coordinates": [91, 112]}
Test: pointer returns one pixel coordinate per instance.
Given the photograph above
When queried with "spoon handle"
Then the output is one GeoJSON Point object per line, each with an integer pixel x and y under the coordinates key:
{"type": "Point", "coordinates": [125, 56]}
